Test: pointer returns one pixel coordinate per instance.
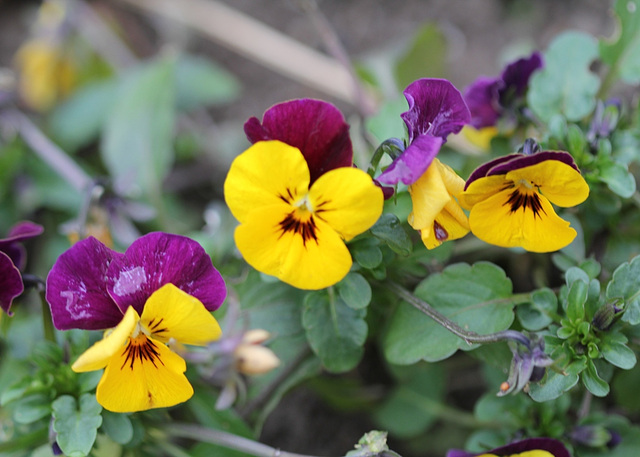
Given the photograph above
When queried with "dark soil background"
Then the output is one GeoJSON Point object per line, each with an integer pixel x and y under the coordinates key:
{"type": "Point", "coordinates": [478, 32]}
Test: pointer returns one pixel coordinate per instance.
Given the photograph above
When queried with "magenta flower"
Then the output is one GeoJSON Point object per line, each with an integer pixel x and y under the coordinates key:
{"type": "Point", "coordinates": [315, 127]}
{"type": "Point", "coordinates": [532, 447]}
{"type": "Point", "coordinates": [436, 109]}
{"type": "Point", "coordinates": [13, 259]}
{"type": "Point", "coordinates": [488, 98]}
{"type": "Point", "coordinates": [158, 293]}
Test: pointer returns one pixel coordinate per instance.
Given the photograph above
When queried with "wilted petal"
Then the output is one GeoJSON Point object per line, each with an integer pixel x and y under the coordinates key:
{"type": "Point", "coordinates": [157, 259]}
{"type": "Point", "coordinates": [315, 127]}
{"type": "Point", "coordinates": [10, 282]}
{"type": "Point", "coordinates": [436, 108]}
{"type": "Point", "coordinates": [77, 288]}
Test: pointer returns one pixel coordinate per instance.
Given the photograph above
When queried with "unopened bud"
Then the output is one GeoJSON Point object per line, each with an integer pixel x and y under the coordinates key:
{"type": "Point", "coordinates": [591, 435]}
{"type": "Point", "coordinates": [255, 336]}
{"type": "Point", "coordinates": [253, 359]}
{"type": "Point", "coordinates": [606, 315]}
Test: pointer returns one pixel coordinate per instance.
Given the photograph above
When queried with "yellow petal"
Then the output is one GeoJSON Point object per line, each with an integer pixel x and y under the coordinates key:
{"type": "Point", "coordinates": [346, 199]}
{"type": "Point", "coordinates": [263, 175]}
{"type": "Point", "coordinates": [559, 182]}
{"type": "Point", "coordinates": [98, 355]}
{"type": "Point", "coordinates": [480, 137]}
{"type": "Point", "coordinates": [493, 221]}
{"type": "Point", "coordinates": [481, 189]}
{"type": "Point", "coordinates": [428, 196]}
{"type": "Point", "coordinates": [253, 359]}
{"type": "Point", "coordinates": [150, 376]}
{"type": "Point", "coordinates": [451, 223]}
{"type": "Point", "coordinates": [314, 263]}
{"type": "Point", "coordinates": [172, 313]}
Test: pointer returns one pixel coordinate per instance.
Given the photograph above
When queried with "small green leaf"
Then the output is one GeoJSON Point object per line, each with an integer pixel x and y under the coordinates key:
{"type": "Point", "coordinates": [618, 354]}
{"type": "Point", "coordinates": [593, 382]}
{"type": "Point", "coordinates": [117, 426]}
{"type": "Point", "coordinates": [624, 52]}
{"type": "Point", "coordinates": [389, 229]}
{"type": "Point", "coordinates": [31, 408]}
{"type": "Point", "coordinates": [556, 384]}
{"type": "Point", "coordinates": [475, 297]}
{"type": "Point", "coordinates": [355, 291]}
{"type": "Point", "coordinates": [618, 179]}
{"type": "Point", "coordinates": [539, 313]}
{"type": "Point", "coordinates": [576, 299]}
{"type": "Point", "coordinates": [202, 82]}
{"type": "Point", "coordinates": [625, 284]}
{"type": "Point", "coordinates": [336, 332]}
{"type": "Point", "coordinates": [565, 85]}
{"type": "Point", "coordinates": [366, 253]}
{"type": "Point", "coordinates": [76, 428]}
{"type": "Point", "coordinates": [576, 140]}
{"type": "Point", "coordinates": [137, 143]}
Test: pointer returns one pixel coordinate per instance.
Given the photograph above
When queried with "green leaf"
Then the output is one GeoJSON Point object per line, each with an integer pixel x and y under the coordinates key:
{"type": "Point", "coordinates": [31, 408]}
{"type": "Point", "coordinates": [416, 403]}
{"type": "Point", "coordinates": [117, 426]}
{"type": "Point", "coordinates": [576, 299]}
{"type": "Point", "coordinates": [617, 178]}
{"type": "Point", "coordinates": [556, 384]}
{"type": "Point", "coordinates": [355, 291]}
{"type": "Point", "coordinates": [77, 428]}
{"type": "Point", "coordinates": [79, 120]}
{"type": "Point", "coordinates": [538, 313]}
{"type": "Point", "coordinates": [429, 41]}
{"type": "Point", "coordinates": [137, 144]}
{"type": "Point", "coordinates": [625, 284]}
{"type": "Point", "coordinates": [565, 85]}
{"type": "Point", "coordinates": [623, 53]}
{"type": "Point", "coordinates": [387, 123]}
{"type": "Point", "coordinates": [618, 354]}
{"type": "Point", "coordinates": [593, 382]}
{"type": "Point", "coordinates": [475, 297]}
{"type": "Point", "coordinates": [335, 331]}
{"type": "Point", "coordinates": [366, 253]}
{"type": "Point", "coordinates": [390, 230]}
{"type": "Point", "coordinates": [202, 82]}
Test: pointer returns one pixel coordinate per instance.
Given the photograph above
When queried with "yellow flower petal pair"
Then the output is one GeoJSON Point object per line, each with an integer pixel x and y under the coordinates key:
{"type": "Point", "coordinates": [436, 212]}
{"type": "Point", "coordinates": [289, 229]}
{"type": "Point", "coordinates": [511, 204]}
{"type": "Point", "coordinates": [141, 372]}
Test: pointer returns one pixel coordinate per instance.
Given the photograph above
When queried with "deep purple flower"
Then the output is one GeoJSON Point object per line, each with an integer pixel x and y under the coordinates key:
{"type": "Point", "coordinates": [489, 97]}
{"type": "Point", "coordinates": [315, 127]}
{"type": "Point", "coordinates": [554, 447]}
{"type": "Point", "coordinates": [91, 286]}
{"type": "Point", "coordinates": [436, 109]}
{"type": "Point", "coordinates": [13, 259]}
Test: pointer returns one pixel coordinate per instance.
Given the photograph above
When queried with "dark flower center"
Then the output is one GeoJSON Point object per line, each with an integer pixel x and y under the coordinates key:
{"type": "Point", "coordinates": [306, 229]}
{"type": "Point", "coordinates": [142, 349]}
{"type": "Point", "coordinates": [527, 199]}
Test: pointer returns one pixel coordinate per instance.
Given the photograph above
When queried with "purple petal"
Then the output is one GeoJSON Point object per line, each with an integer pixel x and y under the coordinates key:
{"type": "Point", "coordinates": [482, 98]}
{"type": "Point", "coordinates": [157, 259]}
{"type": "Point", "coordinates": [11, 244]}
{"type": "Point", "coordinates": [315, 127]}
{"type": "Point", "coordinates": [413, 162]}
{"type": "Point", "coordinates": [436, 108]}
{"type": "Point", "coordinates": [10, 282]}
{"type": "Point", "coordinates": [555, 447]}
{"type": "Point", "coordinates": [77, 288]}
{"type": "Point", "coordinates": [517, 74]}
{"type": "Point", "coordinates": [528, 160]}
{"type": "Point", "coordinates": [483, 169]}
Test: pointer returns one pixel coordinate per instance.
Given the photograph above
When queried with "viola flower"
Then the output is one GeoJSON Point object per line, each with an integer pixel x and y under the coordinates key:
{"type": "Point", "coordinates": [510, 198]}
{"type": "Point", "coordinates": [13, 259]}
{"type": "Point", "coordinates": [159, 291]}
{"type": "Point", "coordinates": [529, 362]}
{"type": "Point", "coordinates": [531, 447]}
{"type": "Point", "coordinates": [436, 213]}
{"type": "Point", "coordinates": [436, 109]}
{"type": "Point", "coordinates": [297, 196]}
{"type": "Point", "coordinates": [492, 98]}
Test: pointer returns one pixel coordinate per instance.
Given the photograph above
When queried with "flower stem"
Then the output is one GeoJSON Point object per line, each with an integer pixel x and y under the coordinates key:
{"type": "Point", "coordinates": [239, 443]}
{"type": "Point", "coordinates": [468, 336]}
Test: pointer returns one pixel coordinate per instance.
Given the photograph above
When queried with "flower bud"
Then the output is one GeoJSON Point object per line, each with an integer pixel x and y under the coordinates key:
{"type": "Point", "coordinates": [606, 315]}
{"type": "Point", "coordinates": [253, 359]}
{"type": "Point", "coordinates": [591, 435]}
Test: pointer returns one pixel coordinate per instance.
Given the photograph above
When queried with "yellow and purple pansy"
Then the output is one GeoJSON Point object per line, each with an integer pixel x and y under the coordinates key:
{"type": "Point", "coordinates": [510, 198]}
{"type": "Point", "coordinates": [13, 260]}
{"type": "Point", "coordinates": [531, 447]}
{"type": "Point", "coordinates": [436, 109]}
{"type": "Point", "coordinates": [298, 197]}
{"type": "Point", "coordinates": [159, 292]}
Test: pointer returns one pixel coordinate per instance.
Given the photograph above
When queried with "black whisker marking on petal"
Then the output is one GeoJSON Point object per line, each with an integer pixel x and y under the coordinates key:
{"type": "Point", "coordinates": [142, 349]}
{"type": "Point", "coordinates": [525, 200]}
{"type": "Point", "coordinates": [307, 230]}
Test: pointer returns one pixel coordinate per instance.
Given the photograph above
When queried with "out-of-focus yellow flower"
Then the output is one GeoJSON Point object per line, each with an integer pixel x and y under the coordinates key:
{"type": "Point", "coordinates": [480, 138]}
{"type": "Point", "coordinates": [46, 73]}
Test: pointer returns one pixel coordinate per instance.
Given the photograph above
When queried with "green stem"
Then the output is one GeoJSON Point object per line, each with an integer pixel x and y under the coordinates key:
{"type": "Point", "coordinates": [468, 336]}
{"type": "Point", "coordinates": [238, 443]}
{"type": "Point", "coordinates": [47, 322]}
